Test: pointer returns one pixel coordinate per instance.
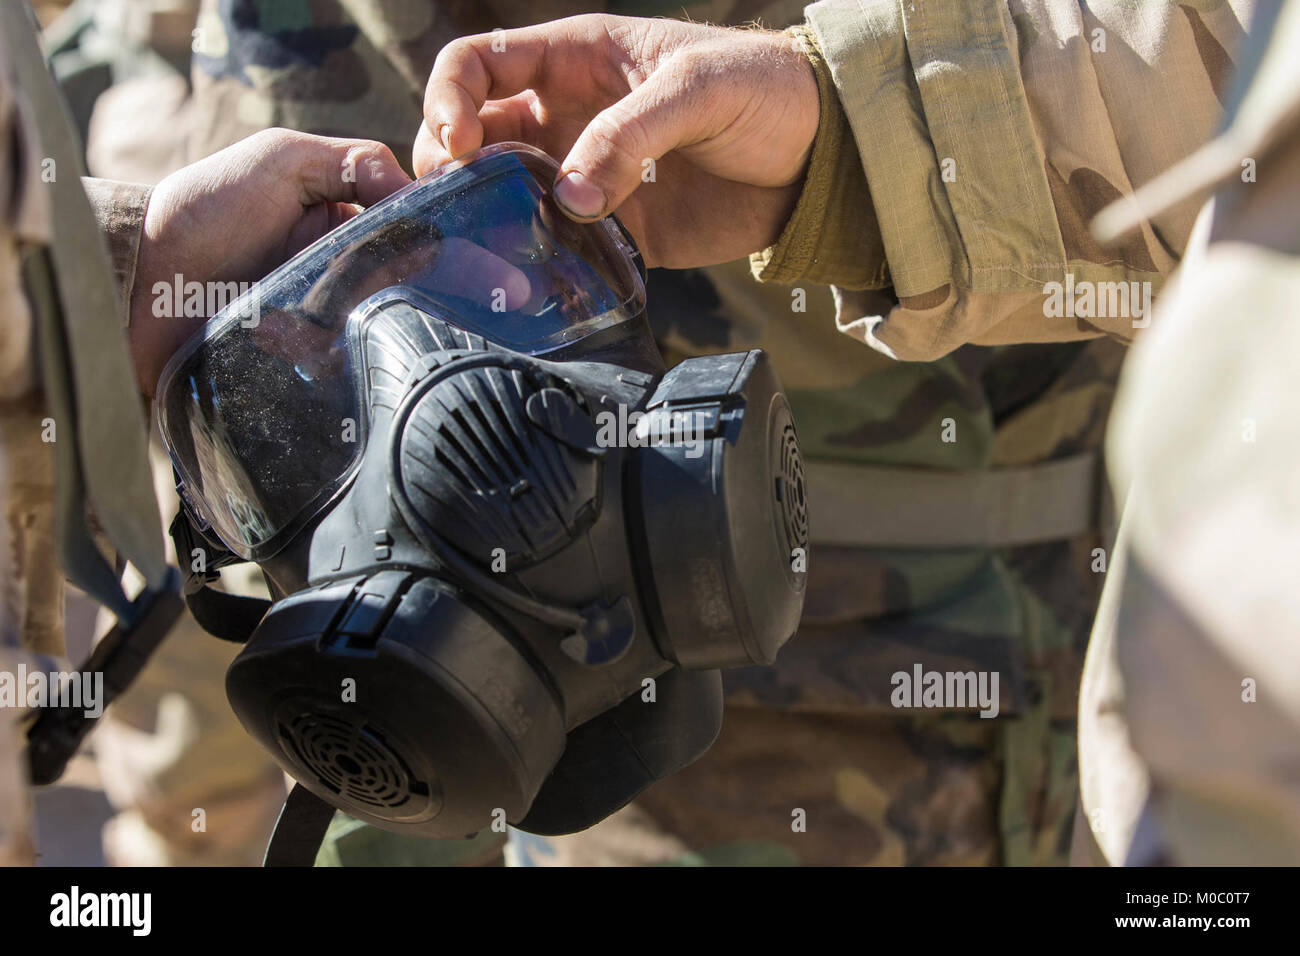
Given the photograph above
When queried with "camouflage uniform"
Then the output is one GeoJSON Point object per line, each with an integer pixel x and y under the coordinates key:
{"type": "Point", "coordinates": [1189, 705]}
{"type": "Point", "coordinates": [189, 787]}
{"type": "Point", "coordinates": [816, 732]}
{"type": "Point", "coordinates": [1190, 718]}
{"type": "Point", "coordinates": [33, 222]}
{"type": "Point", "coordinates": [1181, 760]}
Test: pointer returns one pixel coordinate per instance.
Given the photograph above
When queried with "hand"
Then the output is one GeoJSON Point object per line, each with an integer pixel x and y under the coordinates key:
{"type": "Point", "coordinates": [728, 118]}
{"type": "Point", "coordinates": [236, 215]}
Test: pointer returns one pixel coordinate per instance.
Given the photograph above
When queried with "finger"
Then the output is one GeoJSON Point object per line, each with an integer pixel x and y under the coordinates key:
{"type": "Point", "coordinates": [512, 120]}
{"type": "Point", "coordinates": [614, 151]}
{"type": "Point", "coordinates": [373, 171]}
{"type": "Point", "coordinates": [428, 153]}
{"type": "Point", "coordinates": [509, 120]}
{"type": "Point", "coordinates": [472, 70]}
{"type": "Point", "coordinates": [347, 210]}
{"type": "Point", "coordinates": [465, 269]}
{"type": "Point", "coordinates": [328, 169]}
{"type": "Point", "coordinates": [316, 221]}
{"type": "Point", "coordinates": [457, 89]}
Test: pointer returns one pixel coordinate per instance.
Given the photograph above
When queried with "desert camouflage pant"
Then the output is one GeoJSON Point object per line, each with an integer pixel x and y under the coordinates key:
{"type": "Point", "coordinates": [189, 786]}
{"type": "Point", "coordinates": [31, 606]}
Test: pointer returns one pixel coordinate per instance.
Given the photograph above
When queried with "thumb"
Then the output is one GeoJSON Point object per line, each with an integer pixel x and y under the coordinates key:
{"type": "Point", "coordinates": [607, 162]}
{"type": "Point", "coordinates": [325, 169]}
{"type": "Point", "coordinates": [349, 171]}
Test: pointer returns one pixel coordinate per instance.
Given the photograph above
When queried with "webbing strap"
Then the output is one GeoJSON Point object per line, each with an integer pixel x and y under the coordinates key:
{"type": "Point", "coordinates": [855, 505]}
{"type": "Point", "coordinates": [300, 829]}
{"type": "Point", "coordinates": [119, 657]}
{"type": "Point", "coordinates": [101, 458]}
{"type": "Point", "coordinates": [81, 560]}
{"type": "Point", "coordinates": [230, 617]}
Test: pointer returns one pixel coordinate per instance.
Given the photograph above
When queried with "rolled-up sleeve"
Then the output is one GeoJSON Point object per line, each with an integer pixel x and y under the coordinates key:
{"type": "Point", "coordinates": [989, 135]}
{"type": "Point", "coordinates": [119, 211]}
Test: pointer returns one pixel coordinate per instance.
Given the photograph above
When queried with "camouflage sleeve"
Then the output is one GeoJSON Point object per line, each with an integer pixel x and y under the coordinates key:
{"type": "Point", "coordinates": [1204, 640]}
{"type": "Point", "coordinates": [988, 136]}
{"type": "Point", "coordinates": [24, 216]}
{"type": "Point", "coordinates": [24, 460]}
{"type": "Point", "coordinates": [119, 211]}
{"type": "Point", "coordinates": [833, 236]}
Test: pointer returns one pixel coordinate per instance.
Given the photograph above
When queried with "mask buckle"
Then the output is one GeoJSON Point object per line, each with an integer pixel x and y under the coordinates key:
{"type": "Point", "coordinates": [191, 543]}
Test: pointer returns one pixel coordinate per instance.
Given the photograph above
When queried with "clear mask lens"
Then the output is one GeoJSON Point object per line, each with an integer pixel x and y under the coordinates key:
{"type": "Point", "coordinates": [260, 410]}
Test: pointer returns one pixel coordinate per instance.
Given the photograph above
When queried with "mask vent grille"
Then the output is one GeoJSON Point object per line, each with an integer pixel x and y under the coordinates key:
{"type": "Point", "coordinates": [790, 488]}
{"type": "Point", "coordinates": [354, 761]}
{"type": "Point", "coordinates": [476, 467]}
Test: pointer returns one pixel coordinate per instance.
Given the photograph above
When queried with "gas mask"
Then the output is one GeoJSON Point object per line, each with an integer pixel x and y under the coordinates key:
{"type": "Point", "coordinates": [508, 551]}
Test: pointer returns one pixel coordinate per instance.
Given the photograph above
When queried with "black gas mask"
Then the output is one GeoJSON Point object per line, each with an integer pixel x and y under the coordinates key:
{"type": "Point", "coordinates": [508, 551]}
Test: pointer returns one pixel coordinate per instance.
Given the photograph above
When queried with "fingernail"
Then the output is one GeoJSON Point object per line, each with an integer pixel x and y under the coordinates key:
{"type": "Point", "coordinates": [444, 136]}
{"type": "Point", "coordinates": [579, 195]}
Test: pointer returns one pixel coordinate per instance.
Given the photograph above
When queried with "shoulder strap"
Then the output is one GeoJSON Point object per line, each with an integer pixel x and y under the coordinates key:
{"type": "Point", "coordinates": [101, 457]}
{"type": "Point", "coordinates": [100, 446]}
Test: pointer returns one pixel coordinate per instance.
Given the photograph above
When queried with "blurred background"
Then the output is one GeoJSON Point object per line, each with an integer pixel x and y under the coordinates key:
{"type": "Point", "coordinates": [170, 778]}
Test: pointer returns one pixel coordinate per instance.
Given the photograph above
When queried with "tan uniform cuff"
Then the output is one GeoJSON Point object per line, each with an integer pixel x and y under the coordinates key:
{"type": "Point", "coordinates": [832, 236]}
{"type": "Point", "coordinates": [119, 212]}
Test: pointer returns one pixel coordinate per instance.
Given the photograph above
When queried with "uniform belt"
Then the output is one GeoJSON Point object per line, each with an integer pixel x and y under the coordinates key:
{"type": "Point", "coordinates": [874, 506]}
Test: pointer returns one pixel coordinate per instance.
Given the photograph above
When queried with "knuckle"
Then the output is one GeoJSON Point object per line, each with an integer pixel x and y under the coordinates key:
{"type": "Point", "coordinates": [281, 142]}
{"type": "Point", "coordinates": [274, 136]}
{"type": "Point", "coordinates": [370, 150]}
{"type": "Point", "coordinates": [455, 51]}
{"type": "Point", "coordinates": [592, 23]}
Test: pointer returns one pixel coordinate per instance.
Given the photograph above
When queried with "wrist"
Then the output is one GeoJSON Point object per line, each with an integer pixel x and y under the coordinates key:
{"type": "Point", "coordinates": [831, 235]}
{"type": "Point", "coordinates": [159, 321]}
